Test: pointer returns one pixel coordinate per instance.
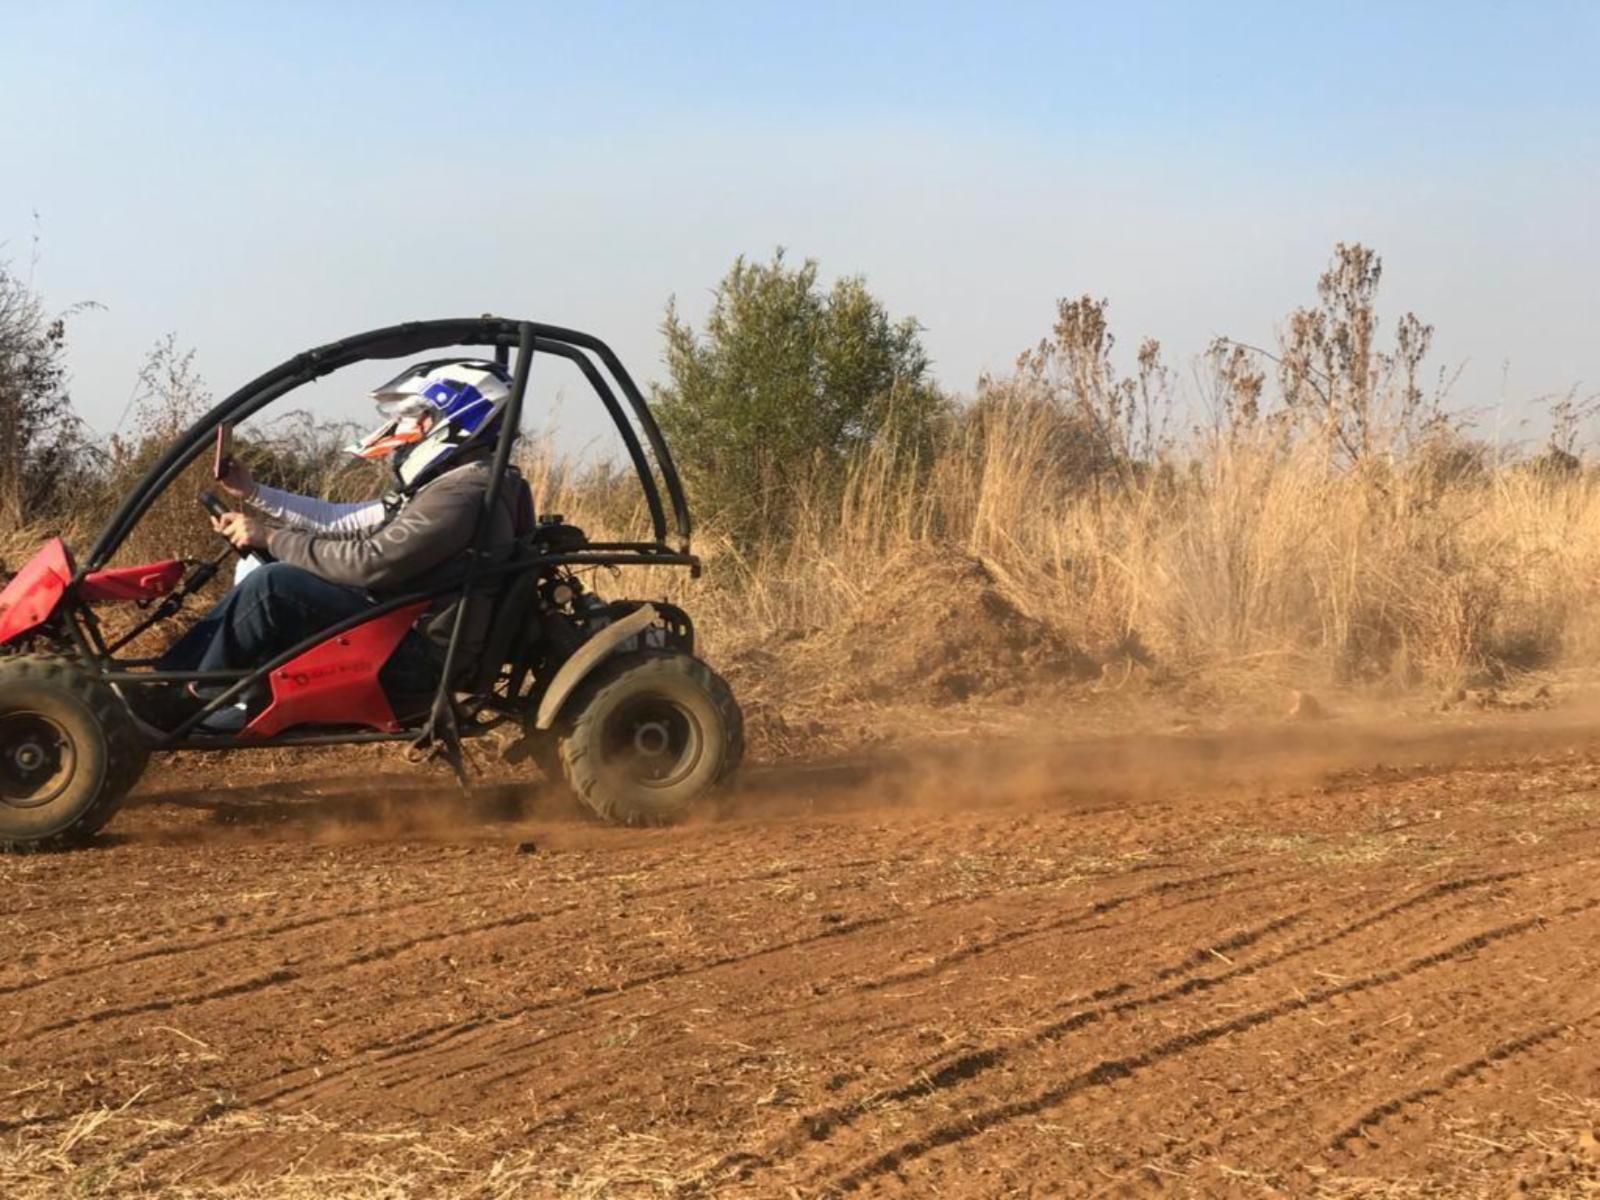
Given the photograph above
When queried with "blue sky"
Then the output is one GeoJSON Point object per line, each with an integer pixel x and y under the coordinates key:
{"type": "Point", "coordinates": [263, 177]}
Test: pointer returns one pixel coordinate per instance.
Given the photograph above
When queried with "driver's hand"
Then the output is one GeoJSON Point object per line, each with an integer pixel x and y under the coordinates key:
{"type": "Point", "coordinates": [246, 533]}
{"type": "Point", "coordinates": [236, 480]}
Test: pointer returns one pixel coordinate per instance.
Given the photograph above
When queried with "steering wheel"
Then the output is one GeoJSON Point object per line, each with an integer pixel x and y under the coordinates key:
{"type": "Point", "coordinates": [213, 504]}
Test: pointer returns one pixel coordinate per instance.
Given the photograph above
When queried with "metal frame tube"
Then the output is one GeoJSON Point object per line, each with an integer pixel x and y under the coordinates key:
{"type": "Point", "coordinates": [510, 425]}
{"type": "Point", "coordinates": [396, 341]}
{"type": "Point", "coordinates": [630, 439]}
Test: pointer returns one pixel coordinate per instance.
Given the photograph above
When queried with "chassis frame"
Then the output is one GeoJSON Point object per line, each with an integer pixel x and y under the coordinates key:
{"type": "Point", "coordinates": [70, 613]}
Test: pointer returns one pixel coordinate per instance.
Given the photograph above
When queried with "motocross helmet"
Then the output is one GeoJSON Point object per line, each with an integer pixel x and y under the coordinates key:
{"type": "Point", "coordinates": [464, 396]}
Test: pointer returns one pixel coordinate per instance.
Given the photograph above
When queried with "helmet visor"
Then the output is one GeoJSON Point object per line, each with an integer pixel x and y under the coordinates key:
{"type": "Point", "coordinates": [387, 438]}
{"type": "Point", "coordinates": [402, 407]}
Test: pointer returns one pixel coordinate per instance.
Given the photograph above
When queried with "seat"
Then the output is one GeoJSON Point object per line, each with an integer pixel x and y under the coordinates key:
{"type": "Point", "coordinates": [511, 624]}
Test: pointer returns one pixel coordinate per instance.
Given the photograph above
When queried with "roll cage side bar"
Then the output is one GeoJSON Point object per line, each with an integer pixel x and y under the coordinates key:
{"type": "Point", "coordinates": [417, 337]}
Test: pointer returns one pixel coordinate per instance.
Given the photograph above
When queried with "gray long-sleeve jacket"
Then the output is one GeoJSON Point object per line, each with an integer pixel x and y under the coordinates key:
{"type": "Point", "coordinates": [417, 546]}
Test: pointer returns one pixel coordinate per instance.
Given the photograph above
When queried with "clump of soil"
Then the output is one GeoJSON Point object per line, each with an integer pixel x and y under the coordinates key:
{"type": "Point", "coordinates": [936, 629]}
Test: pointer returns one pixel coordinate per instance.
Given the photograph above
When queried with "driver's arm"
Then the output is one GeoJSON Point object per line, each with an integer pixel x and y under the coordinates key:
{"type": "Point", "coordinates": [437, 525]}
{"type": "Point", "coordinates": [319, 516]}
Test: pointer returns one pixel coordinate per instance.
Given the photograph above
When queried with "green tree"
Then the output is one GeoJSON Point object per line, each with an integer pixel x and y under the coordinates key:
{"type": "Point", "coordinates": [44, 451]}
{"type": "Point", "coordinates": [787, 381]}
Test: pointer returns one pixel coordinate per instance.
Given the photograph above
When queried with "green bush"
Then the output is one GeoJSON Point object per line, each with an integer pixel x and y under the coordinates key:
{"type": "Point", "coordinates": [785, 384]}
{"type": "Point", "coordinates": [45, 453]}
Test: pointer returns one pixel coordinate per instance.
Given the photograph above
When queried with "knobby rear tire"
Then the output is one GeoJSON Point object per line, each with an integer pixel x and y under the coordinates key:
{"type": "Point", "coordinates": [675, 691]}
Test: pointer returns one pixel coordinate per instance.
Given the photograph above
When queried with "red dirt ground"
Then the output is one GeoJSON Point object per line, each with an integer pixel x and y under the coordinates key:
{"type": "Point", "coordinates": [1198, 967]}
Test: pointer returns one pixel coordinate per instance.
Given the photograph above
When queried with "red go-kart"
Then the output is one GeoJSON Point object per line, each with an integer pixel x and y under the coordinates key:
{"type": "Point", "coordinates": [607, 694]}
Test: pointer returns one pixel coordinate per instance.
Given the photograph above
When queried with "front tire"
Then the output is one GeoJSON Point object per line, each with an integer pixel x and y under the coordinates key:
{"type": "Point", "coordinates": [650, 733]}
{"type": "Point", "coordinates": [68, 754]}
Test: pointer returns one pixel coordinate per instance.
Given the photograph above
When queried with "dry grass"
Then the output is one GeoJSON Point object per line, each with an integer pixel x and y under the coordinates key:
{"type": "Point", "coordinates": [1246, 561]}
{"type": "Point", "coordinates": [1249, 561]}
{"type": "Point", "coordinates": [100, 1155]}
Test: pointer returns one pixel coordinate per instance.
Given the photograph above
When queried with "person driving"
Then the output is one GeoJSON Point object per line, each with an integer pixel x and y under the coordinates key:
{"type": "Point", "coordinates": [333, 559]}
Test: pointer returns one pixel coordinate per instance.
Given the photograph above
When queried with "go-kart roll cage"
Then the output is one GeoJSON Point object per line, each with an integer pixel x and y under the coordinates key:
{"type": "Point", "coordinates": [400, 341]}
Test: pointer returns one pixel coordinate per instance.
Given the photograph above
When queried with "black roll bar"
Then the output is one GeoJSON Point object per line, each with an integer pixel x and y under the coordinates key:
{"type": "Point", "coordinates": [647, 421]}
{"type": "Point", "coordinates": [401, 341]}
{"type": "Point", "coordinates": [441, 720]}
{"type": "Point", "coordinates": [630, 439]}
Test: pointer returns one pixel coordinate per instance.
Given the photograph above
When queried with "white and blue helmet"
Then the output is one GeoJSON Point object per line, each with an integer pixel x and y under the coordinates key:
{"type": "Point", "coordinates": [464, 396]}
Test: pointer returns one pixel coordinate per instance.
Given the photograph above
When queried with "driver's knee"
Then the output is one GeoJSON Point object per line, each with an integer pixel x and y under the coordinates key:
{"type": "Point", "coordinates": [275, 594]}
{"type": "Point", "coordinates": [273, 579]}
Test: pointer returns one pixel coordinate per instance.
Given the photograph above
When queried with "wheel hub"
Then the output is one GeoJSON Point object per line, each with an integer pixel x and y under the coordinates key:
{"type": "Point", "coordinates": [37, 760]}
{"type": "Point", "coordinates": [651, 739]}
{"type": "Point", "coordinates": [654, 740]}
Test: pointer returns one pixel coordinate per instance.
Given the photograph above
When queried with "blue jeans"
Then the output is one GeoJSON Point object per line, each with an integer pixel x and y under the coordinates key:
{"type": "Point", "coordinates": [277, 606]}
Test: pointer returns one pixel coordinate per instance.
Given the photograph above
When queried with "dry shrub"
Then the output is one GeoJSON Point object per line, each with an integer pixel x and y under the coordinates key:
{"type": "Point", "coordinates": [1255, 557]}
{"type": "Point", "coordinates": [1342, 530]}
{"type": "Point", "coordinates": [1251, 555]}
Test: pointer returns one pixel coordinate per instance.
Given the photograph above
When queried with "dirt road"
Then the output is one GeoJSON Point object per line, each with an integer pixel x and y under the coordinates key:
{"type": "Point", "coordinates": [1118, 971]}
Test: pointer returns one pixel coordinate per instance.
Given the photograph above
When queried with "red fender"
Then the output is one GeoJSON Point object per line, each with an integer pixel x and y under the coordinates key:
{"type": "Point", "coordinates": [336, 681]}
{"type": "Point", "coordinates": [144, 582]}
{"type": "Point", "coordinates": [33, 594]}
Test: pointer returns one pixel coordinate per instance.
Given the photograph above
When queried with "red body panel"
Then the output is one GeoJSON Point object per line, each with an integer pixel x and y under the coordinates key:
{"type": "Point", "coordinates": [144, 582]}
{"type": "Point", "coordinates": [33, 593]}
{"type": "Point", "coordinates": [336, 681]}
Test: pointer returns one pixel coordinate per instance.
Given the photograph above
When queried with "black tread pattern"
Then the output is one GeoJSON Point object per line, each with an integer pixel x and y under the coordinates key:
{"type": "Point", "coordinates": [582, 773]}
{"type": "Point", "coordinates": [125, 753]}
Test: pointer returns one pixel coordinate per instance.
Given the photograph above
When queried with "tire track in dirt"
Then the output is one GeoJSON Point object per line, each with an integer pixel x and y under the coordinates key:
{"type": "Point", "coordinates": [1261, 1128]}
{"type": "Point", "coordinates": [494, 1054]}
{"type": "Point", "coordinates": [1114, 1069]}
{"type": "Point", "coordinates": [1075, 923]}
{"type": "Point", "coordinates": [299, 925]}
{"type": "Point", "coordinates": [580, 879]}
{"type": "Point", "coordinates": [447, 1032]}
{"type": "Point", "coordinates": [942, 1011]}
{"type": "Point", "coordinates": [287, 975]}
{"type": "Point", "coordinates": [489, 1026]}
{"type": "Point", "coordinates": [493, 1039]}
{"type": "Point", "coordinates": [452, 1030]}
{"type": "Point", "coordinates": [1011, 937]}
{"type": "Point", "coordinates": [937, 1074]}
{"type": "Point", "coordinates": [418, 1042]}
{"type": "Point", "coordinates": [284, 977]}
{"type": "Point", "coordinates": [378, 954]}
{"type": "Point", "coordinates": [1261, 1123]}
{"type": "Point", "coordinates": [942, 1074]}
{"type": "Point", "coordinates": [1498, 1055]}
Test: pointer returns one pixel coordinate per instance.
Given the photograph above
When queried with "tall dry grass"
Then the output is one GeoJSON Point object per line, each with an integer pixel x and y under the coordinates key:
{"type": "Point", "coordinates": [1253, 555]}
{"type": "Point", "coordinates": [1330, 524]}
{"type": "Point", "coordinates": [1246, 556]}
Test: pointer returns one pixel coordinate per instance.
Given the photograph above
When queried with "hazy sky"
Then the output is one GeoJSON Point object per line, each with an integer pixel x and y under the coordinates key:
{"type": "Point", "coordinates": [260, 177]}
